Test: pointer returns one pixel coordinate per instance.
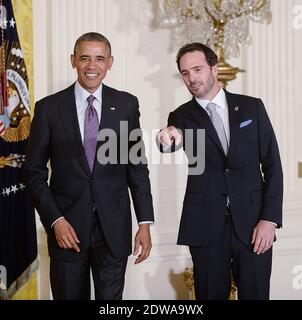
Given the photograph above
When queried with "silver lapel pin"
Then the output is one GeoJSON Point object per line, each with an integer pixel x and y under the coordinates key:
{"type": "Point", "coordinates": [112, 108]}
{"type": "Point", "coordinates": [236, 108]}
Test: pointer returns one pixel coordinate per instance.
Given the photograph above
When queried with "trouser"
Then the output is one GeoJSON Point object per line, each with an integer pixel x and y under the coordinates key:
{"type": "Point", "coordinates": [213, 267]}
{"type": "Point", "coordinates": [71, 280]}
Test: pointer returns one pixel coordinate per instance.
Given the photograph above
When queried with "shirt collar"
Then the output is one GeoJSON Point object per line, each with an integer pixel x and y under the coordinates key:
{"type": "Point", "coordinates": [219, 100]}
{"type": "Point", "coordinates": [82, 94]}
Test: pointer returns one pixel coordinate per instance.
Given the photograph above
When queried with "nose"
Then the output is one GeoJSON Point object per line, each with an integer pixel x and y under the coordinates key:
{"type": "Point", "coordinates": [91, 64]}
{"type": "Point", "coordinates": [191, 77]}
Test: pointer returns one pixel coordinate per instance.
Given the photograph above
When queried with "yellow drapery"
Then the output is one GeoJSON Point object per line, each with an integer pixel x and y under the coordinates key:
{"type": "Point", "coordinates": [23, 15]}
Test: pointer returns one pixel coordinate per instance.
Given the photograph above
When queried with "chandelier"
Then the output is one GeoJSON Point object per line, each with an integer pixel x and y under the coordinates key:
{"type": "Point", "coordinates": [220, 24]}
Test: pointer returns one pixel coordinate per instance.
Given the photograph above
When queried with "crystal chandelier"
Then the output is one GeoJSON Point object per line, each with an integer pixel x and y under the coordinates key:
{"type": "Point", "coordinates": [221, 24]}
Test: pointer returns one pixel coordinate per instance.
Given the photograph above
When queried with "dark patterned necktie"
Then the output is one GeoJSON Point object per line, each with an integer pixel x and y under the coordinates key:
{"type": "Point", "coordinates": [91, 127]}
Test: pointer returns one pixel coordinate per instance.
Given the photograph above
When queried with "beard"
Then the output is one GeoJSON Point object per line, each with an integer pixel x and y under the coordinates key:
{"type": "Point", "coordinates": [200, 89]}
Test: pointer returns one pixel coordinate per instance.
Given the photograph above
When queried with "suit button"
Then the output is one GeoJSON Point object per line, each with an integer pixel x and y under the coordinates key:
{"type": "Point", "coordinates": [227, 171]}
{"type": "Point", "coordinates": [92, 180]}
{"type": "Point", "coordinates": [92, 207]}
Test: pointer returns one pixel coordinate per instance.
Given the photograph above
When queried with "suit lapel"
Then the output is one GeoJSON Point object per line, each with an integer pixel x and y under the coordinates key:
{"type": "Point", "coordinates": [69, 118]}
{"type": "Point", "coordinates": [108, 116]}
{"type": "Point", "coordinates": [204, 121]}
{"type": "Point", "coordinates": [109, 109]}
{"type": "Point", "coordinates": [235, 114]}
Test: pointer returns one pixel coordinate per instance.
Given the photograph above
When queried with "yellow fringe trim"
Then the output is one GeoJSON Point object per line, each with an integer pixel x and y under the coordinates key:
{"type": "Point", "coordinates": [20, 282]}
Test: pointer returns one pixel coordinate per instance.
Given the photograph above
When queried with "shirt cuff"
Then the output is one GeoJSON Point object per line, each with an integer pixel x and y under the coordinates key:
{"type": "Point", "coordinates": [56, 221]}
{"type": "Point", "coordinates": [275, 224]}
{"type": "Point", "coordinates": [166, 147]}
{"type": "Point", "coordinates": [146, 222]}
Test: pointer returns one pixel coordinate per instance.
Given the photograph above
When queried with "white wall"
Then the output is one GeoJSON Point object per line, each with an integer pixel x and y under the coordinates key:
{"type": "Point", "coordinates": [273, 67]}
{"type": "Point", "coordinates": [145, 66]}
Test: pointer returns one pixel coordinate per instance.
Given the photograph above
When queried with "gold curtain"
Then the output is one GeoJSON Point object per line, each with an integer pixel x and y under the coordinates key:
{"type": "Point", "coordinates": [23, 15]}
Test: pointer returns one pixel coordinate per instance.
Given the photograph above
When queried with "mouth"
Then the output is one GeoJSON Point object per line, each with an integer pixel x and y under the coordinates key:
{"type": "Point", "coordinates": [91, 75]}
{"type": "Point", "coordinates": [195, 86]}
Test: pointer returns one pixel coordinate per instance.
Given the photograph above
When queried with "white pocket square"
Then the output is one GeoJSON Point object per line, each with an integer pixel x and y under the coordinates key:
{"type": "Point", "coordinates": [245, 123]}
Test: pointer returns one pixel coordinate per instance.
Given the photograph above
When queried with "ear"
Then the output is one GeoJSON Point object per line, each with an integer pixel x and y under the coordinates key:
{"type": "Point", "coordinates": [215, 70]}
{"type": "Point", "coordinates": [72, 60]}
{"type": "Point", "coordinates": [111, 60]}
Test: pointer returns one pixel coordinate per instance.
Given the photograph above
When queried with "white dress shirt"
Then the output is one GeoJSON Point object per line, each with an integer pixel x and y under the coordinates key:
{"type": "Point", "coordinates": [81, 96]}
{"type": "Point", "coordinates": [223, 111]}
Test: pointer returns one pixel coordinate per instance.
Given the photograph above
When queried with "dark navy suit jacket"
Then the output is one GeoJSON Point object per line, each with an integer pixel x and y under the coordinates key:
{"type": "Point", "coordinates": [250, 175]}
{"type": "Point", "coordinates": [74, 192]}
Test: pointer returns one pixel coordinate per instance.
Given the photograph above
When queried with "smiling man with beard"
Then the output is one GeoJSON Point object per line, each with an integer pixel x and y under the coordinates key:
{"type": "Point", "coordinates": [231, 210]}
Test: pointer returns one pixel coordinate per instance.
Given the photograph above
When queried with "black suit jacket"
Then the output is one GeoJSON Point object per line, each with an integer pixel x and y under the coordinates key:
{"type": "Point", "coordinates": [251, 174]}
{"type": "Point", "coordinates": [73, 191]}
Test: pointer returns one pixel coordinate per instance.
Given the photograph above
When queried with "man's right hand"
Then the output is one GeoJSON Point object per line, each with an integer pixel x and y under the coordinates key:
{"type": "Point", "coordinates": [65, 235]}
{"type": "Point", "coordinates": [168, 135]}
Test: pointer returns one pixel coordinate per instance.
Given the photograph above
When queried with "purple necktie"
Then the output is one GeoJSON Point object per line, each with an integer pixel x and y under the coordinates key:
{"type": "Point", "coordinates": [91, 127]}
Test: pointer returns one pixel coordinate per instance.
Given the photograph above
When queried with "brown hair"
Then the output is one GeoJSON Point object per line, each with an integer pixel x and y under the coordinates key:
{"type": "Point", "coordinates": [210, 55]}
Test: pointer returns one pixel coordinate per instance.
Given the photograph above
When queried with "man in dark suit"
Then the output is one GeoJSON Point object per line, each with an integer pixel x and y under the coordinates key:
{"type": "Point", "coordinates": [85, 208]}
{"type": "Point", "coordinates": [231, 210]}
